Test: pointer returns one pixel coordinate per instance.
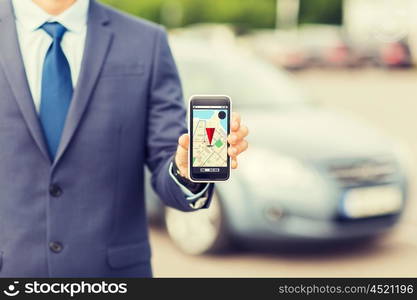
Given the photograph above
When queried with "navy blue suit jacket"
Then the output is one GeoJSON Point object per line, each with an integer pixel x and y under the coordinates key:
{"type": "Point", "coordinates": [83, 214]}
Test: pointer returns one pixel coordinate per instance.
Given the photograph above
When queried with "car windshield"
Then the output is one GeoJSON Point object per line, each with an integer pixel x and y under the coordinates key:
{"type": "Point", "coordinates": [250, 83]}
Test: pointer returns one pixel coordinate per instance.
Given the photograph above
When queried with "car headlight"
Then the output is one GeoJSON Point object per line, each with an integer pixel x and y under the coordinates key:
{"type": "Point", "coordinates": [268, 171]}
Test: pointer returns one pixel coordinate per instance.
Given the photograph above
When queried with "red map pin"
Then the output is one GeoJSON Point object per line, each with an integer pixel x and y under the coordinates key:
{"type": "Point", "coordinates": [210, 133]}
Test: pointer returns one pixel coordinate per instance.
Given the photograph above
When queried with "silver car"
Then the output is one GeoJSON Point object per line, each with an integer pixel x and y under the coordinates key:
{"type": "Point", "coordinates": [311, 174]}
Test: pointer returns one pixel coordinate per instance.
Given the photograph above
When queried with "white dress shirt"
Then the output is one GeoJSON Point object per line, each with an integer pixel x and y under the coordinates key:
{"type": "Point", "coordinates": [35, 42]}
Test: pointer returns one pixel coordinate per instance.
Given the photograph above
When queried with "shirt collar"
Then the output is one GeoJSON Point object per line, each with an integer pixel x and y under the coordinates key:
{"type": "Point", "coordinates": [31, 16]}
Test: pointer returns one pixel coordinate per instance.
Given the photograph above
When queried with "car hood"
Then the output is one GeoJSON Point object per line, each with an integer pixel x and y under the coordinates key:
{"type": "Point", "coordinates": [316, 134]}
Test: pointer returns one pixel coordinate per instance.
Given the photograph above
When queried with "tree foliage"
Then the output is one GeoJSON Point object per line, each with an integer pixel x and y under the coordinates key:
{"type": "Point", "coordinates": [321, 11]}
{"type": "Point", "coordinates": [246, 13]}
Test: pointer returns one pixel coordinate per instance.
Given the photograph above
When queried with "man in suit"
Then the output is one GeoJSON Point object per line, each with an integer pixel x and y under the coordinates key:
{"type": "Point", "coordinates": [88, 97]}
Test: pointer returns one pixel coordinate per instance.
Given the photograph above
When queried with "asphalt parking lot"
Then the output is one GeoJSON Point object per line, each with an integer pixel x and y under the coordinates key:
{"type": "Point", "coordinates": [387, 99]}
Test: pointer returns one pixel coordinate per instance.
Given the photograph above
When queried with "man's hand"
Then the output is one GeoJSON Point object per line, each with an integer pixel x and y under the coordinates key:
{"type": "Point", "coordinates": [236, 139]}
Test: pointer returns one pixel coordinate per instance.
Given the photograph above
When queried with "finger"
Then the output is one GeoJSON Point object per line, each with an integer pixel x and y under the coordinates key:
{"type": "Point", "coordinates": [243, 132]}
{"type": "Point", "coordinates": [233, 139]}
{"type": "Point", "coordinates": [236, 137]}
{"type": "Point", "coordinates": [236, 117]}
{"type": "Point", "coordinates": [235, 126]}
{"type": "Point", "coordinates": [235, 121]}
{"type": "Point", "coordinates": [238, 149]}
{"type": "Point", "coordinates": [184, 141]}
{"type": "Point", "coordinates": [232, 151]}
{"type": "Point", "coordinates": [234, 163]}
{"type": "Point", "coordinates": [182, 151]}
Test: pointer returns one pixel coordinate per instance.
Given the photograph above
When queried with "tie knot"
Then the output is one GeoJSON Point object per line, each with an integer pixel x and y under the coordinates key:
{"type": "Point", "coordinates": [54, 29]}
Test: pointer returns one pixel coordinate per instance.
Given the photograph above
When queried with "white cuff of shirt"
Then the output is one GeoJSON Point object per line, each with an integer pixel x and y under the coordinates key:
{"type": "Point", "coordinates": [199, 200]}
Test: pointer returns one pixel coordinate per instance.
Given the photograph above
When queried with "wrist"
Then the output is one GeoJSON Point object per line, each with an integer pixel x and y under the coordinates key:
{"type": "Point", "coordinates": [185, 181]}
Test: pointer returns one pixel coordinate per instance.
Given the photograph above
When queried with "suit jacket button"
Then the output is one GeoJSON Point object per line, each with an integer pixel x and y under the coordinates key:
{"type": "Point", "coordinates": [55, 190]}
{"type": "Point", "coordinates": [55, 247]}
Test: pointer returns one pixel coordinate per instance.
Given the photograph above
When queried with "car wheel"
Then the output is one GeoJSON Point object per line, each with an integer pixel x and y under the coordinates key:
{"type": "Point", "coordinates": [199, 232]}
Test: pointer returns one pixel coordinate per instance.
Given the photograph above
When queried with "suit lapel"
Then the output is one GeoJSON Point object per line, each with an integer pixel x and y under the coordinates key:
{"type": "Point", "coordinates": [12, 63]}
{"type": "Point", "coordinates": [98, 41]}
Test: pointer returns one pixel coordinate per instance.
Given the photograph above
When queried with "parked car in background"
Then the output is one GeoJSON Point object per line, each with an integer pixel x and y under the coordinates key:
{"type": "Point", "coordinates": [394, 55]}
{"type": "Point", "coordinates": [307, 46]}
{"type": "Point", "coordinates": [311, 174]}
{"type": "Point", "coordinates": [282, 48]}
{"type": "Point", "coordinates": [328, 46]}
{"type": "Point", "coordinates": [383, 31]}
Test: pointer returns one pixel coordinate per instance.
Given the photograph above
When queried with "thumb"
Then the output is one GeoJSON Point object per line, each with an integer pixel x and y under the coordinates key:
{"type": "Point", "coordinates": [182, 153]}
{"type": "Point", "coordinates": [184, 141]}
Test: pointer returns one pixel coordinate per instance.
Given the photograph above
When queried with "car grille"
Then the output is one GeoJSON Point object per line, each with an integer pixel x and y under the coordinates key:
{"type": "Point", "coordinates": [363, 171]}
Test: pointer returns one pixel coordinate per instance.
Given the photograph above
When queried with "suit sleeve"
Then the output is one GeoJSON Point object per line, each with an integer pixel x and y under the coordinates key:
{"type": "Point", "coordinates": [166, 123]}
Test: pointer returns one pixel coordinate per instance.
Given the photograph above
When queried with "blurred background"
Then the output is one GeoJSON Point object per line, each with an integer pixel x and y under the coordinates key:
{"type": "Point", "coordinates": [328, 90]}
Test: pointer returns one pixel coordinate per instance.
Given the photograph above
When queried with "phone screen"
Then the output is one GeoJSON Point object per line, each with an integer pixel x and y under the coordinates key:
{"type": "Point", "coordinates": [209, 129]}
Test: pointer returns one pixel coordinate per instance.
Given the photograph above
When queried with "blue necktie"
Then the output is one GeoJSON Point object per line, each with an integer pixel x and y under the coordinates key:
{"type": "Point", "coordinates": [56, 90]}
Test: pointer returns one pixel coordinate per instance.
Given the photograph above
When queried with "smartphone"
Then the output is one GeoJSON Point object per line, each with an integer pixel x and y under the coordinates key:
{"type": "Point", "coordinates": [209, 127]}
